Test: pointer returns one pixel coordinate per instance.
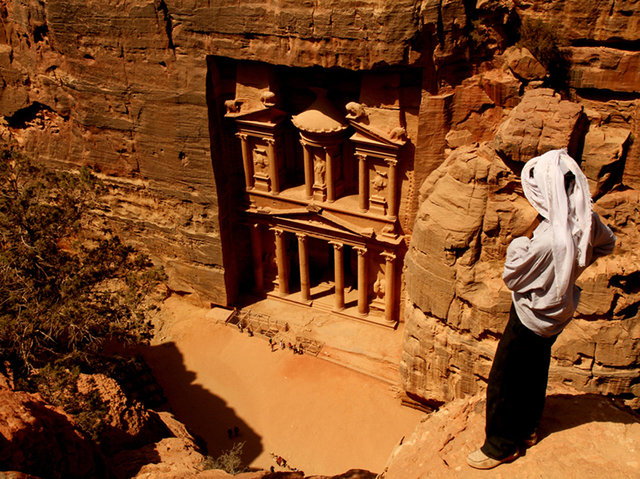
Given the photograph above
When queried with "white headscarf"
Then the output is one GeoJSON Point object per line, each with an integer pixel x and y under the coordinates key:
{"type": "Point", "coordinates": [568, 212]}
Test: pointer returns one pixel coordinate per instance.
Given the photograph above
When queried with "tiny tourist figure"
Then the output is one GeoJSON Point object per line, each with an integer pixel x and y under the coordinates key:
{"type": "Point", "coordinates": [540, 270]}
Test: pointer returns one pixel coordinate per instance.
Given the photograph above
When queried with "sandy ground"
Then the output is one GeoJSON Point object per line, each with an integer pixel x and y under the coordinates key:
{"type": "Point", "coordinates": [321, 417]}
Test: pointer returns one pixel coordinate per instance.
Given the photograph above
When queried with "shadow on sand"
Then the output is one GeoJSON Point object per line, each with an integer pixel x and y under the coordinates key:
{"type": "Point", "coordinates": [207, 416]}
{"type": "Point", "coordinates": [566, 411]}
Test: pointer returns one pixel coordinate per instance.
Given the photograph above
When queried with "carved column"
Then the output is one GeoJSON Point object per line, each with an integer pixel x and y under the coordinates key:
{"type": "Point", "coordinates": [247, 161]}
{"type": "Point", "coordinates": [273, 166]}
{"type": "Point", "coordinates": [308, 169]}
{"type": "Point", "coordinates": [363, 182]}
{"type": "Point", "coordinates": [281, 262]}
{"type": "Point", "coordinates": [389, 286]}
{"type": "Point", "coordinates": [305, 289]}
{"type": "Point", "coordinates": [392, 188]}
{"type": "Point", "coordinates": [338, 268]}
{"type": "Point", "coordinates": [363, 281]}
{"type": "Point", "coordinates": [331, 187]}
{"type": "Point", "coordinates": [256, 249]}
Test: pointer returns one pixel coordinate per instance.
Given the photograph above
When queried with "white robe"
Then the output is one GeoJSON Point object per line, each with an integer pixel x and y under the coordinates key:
{"type": "Point", "coordinates": [529, 274]}
{"type": "Point", "coordinates": [541, 271]}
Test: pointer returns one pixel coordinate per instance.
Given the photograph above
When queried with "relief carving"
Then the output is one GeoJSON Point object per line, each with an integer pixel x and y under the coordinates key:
{"type": "Point", "coordinates": [379, 183]}
{"type": "Point", "coordinates": [261, 160]}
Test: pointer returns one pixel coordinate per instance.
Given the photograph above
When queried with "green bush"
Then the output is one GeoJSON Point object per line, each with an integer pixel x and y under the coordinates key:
{"type": "Point", "coordinates": [64, 294]}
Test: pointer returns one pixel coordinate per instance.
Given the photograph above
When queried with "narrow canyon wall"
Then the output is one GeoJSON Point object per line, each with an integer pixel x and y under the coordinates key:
{"type": "Point", "coordinates": [470, 207]}
{"type": "Point", "coordinates": [136, 90]}
{"type": "Point", "coordinates": [126, 88]}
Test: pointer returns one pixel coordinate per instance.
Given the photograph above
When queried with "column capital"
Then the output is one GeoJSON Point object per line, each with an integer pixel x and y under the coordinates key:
{"type": "Point", "coordinates": [270, 140]}
{"type": "Point", "coordinates": [336, 245]}
{"type": "Point", "coordinates": [392, 162]}
{"type": "Point", "coordinates": [362, 250]}
{"type": "Point", "coordinates": [301, 236]}
{"type": "Point", "coordinates": [242, 136]}
{"type": "Point", "coordinates": [277, 231]}
{"type": "Point", "coordinates": [360, 156]}
{"type": "Point", "coordinates": [388, 256]}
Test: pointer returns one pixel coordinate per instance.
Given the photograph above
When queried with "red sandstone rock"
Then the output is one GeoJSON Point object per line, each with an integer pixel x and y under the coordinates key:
{"type": "Point", "coordinates": [129, 424]}
{"type": "Point", "coordinates": [581, 435]}
{"type": "Point", "coordinates": [42, 440]}
{"type": "Point", "coordinates": [604, 154]}
{"type": "Point", "coordinates": [541, 122]}
{"type": "Point", "coordinates": [471, 208]}
{"type": "Point", "coordinates": [135, 89]}
{"type": "Point", "coordinates": [524, 65]}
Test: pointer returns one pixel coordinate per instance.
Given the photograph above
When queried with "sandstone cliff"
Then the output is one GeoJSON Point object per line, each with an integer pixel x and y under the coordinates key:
{"type": "Point", "coordinates": [136, 90]}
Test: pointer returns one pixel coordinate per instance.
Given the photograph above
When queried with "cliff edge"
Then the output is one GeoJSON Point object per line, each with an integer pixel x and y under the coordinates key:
{"type": "Point", "coordinates": [581, 435]}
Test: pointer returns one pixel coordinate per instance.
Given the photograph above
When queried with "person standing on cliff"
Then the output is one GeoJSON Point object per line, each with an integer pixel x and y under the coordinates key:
{"type": "Point", "coordinates": [540, 270]}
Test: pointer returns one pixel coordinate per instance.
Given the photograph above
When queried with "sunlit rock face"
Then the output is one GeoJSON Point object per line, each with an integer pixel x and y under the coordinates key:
{"type": "Point", "coordinates": [472, 206]}
{"type": "Point", "coordinates": [137, 90]}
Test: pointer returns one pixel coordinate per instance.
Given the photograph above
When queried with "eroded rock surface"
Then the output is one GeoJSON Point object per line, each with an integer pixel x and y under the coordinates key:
{"type": "Point", "coordinates": [471, 207]}
{"type": "Point", "coordinates": [581, 435]}
{"type": "Point", "coordinates": [137, 89]}
{"type": "Point", "coordinates": [39, 439]}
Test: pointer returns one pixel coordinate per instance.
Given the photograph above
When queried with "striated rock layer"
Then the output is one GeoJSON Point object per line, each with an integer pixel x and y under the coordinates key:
{"type": "Point", "coordinates": [471, 208]}
{"type": "Point", "coordinates": [137, 91]}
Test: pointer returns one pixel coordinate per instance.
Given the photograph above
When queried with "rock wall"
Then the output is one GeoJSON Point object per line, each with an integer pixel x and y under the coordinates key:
{"type": "Point", "coordinates": [470, 206]}
{"type": "Point", "coordinates": [136, 90]}
{"type": "Point", "coordinates": [126, 88]}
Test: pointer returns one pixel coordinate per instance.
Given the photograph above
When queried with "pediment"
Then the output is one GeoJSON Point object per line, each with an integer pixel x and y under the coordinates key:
{"type": "Point", "coordinates": [319, 219]}
{"type": "Point", "coordinates": [266, 116]}
{"type": "Point", "coordinates": [376, 136]}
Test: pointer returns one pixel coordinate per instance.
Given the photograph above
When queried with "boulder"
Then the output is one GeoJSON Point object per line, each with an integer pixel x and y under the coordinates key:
{"type": "Point", "coordinates": [41, 440]}
{"type": "Point", "coordinates": [542, 121]}
{"type": "Point", "coordinates": [524, 65]}
{"type": "Point", "coordinates": [603, 157]}
{"type": "Point", "coordinates": [604, 68]}
{"type": "Point", "coordinates": [128, 423]}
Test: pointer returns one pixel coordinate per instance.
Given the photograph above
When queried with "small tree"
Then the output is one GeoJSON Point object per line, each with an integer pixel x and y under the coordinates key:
{"type": "Point", "coordinates": [63, 294]}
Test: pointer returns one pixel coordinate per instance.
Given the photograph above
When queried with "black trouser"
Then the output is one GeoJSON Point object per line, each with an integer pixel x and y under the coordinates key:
{"type": "Point", "coordinates": [517, 388]}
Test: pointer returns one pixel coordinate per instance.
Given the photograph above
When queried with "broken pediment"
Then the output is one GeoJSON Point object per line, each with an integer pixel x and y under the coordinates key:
{"type": "Point", "coordinates": [393, 138]}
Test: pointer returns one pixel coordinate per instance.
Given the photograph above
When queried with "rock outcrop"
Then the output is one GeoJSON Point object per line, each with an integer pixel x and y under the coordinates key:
{"type": "Point", "coordinates": [581, 435]}
{"type": "Point", "coordinates": [39, 439]}
{"type": "Point", "coordinates": [137, 90]}
{"type": "Point", "coordinates": [127, 423]}
{"type": "Point", "coordinates": [471, 208]}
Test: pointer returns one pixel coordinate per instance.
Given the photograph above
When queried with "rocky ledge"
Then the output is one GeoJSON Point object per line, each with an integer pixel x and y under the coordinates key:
{"type": "Point", "coordinates": [581, 435]}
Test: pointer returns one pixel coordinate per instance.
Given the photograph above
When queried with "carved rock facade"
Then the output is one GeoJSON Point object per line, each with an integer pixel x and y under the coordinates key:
{"type": "Point", "coordinates": [152, 94]}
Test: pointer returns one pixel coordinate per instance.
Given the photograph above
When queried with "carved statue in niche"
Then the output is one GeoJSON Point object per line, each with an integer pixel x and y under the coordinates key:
{"type": "Point", "coordinates": [260, 160]}
{"type": "Point", "coordinates": [379, 287]}
{"type": "Point", "coordinates": [319, 168]}
{"type": "Point", "coordinates": [379, 182]}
